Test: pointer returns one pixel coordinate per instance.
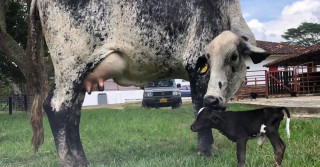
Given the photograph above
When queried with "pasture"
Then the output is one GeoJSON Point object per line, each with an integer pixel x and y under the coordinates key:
{"type": "Point", "coordinates": [137, 137]}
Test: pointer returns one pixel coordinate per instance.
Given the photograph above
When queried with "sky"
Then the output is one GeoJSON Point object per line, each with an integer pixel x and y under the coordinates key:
{"type": "Point", "coordinates": [269, 19]}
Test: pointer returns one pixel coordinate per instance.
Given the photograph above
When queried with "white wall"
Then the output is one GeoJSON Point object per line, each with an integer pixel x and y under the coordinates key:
{"type": "Point", "coordinates": [113, 97]}
{"type": "Point", "coordinates": [255, 67]}
{"type": "Point", "coordinates": [182, 82]}
{"type": "Point", "coordinates": [260, 65]}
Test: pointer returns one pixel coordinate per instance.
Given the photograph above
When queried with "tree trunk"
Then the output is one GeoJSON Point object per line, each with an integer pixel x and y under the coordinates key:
{"type": "Point", "coordinates": [3, 9]}
{"type": "Point", "coordinates": [35, 68]}
{"type": "Point", "coordinates": [16, 87]}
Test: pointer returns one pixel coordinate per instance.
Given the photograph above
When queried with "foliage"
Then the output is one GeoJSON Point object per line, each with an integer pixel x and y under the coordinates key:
{"type": "Point", "coordinates": [16, 23]}
{"type": "Point", "coordinates": [17, 27]}
{"type": "Point", "coordinates": [5, 88]}
{"type": "Point", "coordinates": [151, 137]}
{"type": "Point", "coordinates": [306, 34]}
{"type": "Point", "coordinates": [8, 70]}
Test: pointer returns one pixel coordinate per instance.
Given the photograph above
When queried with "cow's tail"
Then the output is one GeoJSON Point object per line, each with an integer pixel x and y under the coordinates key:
{"type": "Point", "coordinates": [287, 122]}
{"type": "Point", "coordinates": [36, 109]}
{"type": "Point", "coordinates": [36, 122]}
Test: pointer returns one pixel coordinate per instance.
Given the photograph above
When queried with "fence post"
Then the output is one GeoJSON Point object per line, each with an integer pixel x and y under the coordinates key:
{"type": "Point", "coordinates": [10, 105]}
{"type": "Point", "coordinates": [295, 82]}
{"type": "Point", "coordinates": [25, 102]}
{"type": "Point", "coordinates": [267, 84]}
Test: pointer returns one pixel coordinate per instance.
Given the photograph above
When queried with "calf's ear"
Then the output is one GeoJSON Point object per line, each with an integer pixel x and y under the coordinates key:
{"type": "Point", "coordinates": [256, 54]}
{"type": "Point", "coordinates": [215, 118]}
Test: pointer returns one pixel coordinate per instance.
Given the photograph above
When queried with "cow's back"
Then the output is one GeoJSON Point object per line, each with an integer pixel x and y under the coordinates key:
{"type": "Point", "coordinates": [160, 28]}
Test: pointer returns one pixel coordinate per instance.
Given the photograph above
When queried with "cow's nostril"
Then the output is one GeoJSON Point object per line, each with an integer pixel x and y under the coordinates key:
{"type": "Point", "coordinates": [210, 101]}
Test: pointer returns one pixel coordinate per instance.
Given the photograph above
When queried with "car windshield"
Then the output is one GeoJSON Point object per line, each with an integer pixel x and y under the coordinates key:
{"type": "Point", "coordinates": [162, 83]}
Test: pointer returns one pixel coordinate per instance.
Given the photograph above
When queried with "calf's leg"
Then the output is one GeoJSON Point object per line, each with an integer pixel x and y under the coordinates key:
{"type": "Point", "coordinates": [241, 152]}
{"type": "Point", "coordinates": [279, 147]}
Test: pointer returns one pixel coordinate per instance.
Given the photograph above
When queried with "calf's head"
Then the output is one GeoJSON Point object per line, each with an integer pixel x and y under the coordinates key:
{"type": "Point", "coordinates": [206, 119]}
{"type": "Point", "coordinates": [224, 64]}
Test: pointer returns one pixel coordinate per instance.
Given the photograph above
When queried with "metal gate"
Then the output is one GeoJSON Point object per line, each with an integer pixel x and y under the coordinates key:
{"type": "Point", "coordinates": [13, 103]}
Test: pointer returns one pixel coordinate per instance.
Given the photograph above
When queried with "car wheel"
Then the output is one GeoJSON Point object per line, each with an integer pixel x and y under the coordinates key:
{"type": "Point", "coordinates": [177, 105]}
{"type": "Point", "coordinates": [144, 105]}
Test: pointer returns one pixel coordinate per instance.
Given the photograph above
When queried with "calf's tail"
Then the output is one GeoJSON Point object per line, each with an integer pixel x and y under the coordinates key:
{"type": "Point", "coordinates": [287, 122]}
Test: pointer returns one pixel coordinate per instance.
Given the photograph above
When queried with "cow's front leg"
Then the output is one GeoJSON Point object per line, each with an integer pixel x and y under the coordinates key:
{"type": "Point", "coordinates": [64, 119]}
{"type": "Point", "coordinates": [205, 141]}
{"type": "Point", "coordinates": [198, 89]}
{"type": "Point", "coordinates": [205, 138]}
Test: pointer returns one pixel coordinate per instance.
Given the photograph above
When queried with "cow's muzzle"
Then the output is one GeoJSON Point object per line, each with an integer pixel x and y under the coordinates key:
{"type": "Point", "coordinates": [214, 102]}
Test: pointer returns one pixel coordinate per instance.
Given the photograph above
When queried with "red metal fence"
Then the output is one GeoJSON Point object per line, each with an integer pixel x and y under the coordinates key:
{"type": "Point", "coordinates": [307, 78]}
{"type": "Point", "coordinates": [255, 83]}
{"type": "Point", "coordinates": [301, 79]}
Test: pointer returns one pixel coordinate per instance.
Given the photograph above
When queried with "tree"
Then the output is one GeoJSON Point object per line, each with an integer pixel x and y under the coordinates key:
{"type": "Point", "coordinates": [306, 34]}
{"type": "Point", "coordinates": [17, 27]}
{"type": "Point", "coordinates": [29, 56]}
{"type": "Point", "coordinates": [15, 39]}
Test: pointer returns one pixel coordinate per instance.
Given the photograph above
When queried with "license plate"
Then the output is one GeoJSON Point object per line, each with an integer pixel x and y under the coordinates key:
{"type": "Point", "coordinates": [163, 100]}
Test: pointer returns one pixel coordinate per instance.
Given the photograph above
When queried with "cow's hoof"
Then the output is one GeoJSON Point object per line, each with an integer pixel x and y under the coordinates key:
{"type": "Point", "coordinates": [207, 153]}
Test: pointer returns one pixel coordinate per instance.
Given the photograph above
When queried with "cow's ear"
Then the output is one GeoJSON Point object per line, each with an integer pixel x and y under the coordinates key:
{"type": "Point", "coordinates": [256, 54]}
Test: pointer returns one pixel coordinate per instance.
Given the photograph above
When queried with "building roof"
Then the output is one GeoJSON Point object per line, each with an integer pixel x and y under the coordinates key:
{"type": "Point", "coordinates": [309, 54]}
{"type": "Point", "coordinates": [275, 48]}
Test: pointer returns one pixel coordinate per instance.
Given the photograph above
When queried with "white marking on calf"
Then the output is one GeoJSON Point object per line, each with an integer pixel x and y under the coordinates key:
{"type": "Point", "coordinates": [288, 128]}
{"type": "Point", "coordinates": [262, 130]}
{"type": "Point", "coordinates": [261, 136]}
{"type": "Point", "coordinates": [200, 110]}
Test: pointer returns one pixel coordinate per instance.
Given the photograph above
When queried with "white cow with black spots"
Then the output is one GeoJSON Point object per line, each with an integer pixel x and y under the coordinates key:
{"type": "Point", "coordinates": [135, 42]}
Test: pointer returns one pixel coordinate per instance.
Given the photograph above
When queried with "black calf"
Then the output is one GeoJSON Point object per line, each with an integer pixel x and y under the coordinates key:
{"type": "Point", "coordinates": [241, 126]}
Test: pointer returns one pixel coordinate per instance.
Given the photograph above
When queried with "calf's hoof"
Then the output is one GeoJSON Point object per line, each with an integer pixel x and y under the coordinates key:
{"type": "Point", "coordinates": [205, 153]}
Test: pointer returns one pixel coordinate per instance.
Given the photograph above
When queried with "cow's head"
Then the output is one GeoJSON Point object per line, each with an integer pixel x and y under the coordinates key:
{"type": "Point", "coordinates": [223, 67]}
{"type": "Point", "coordinates": [208, 118]}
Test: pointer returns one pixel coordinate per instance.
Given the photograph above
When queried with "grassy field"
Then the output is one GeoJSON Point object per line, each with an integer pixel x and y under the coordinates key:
{"type": "Point", "coordinates": [136, 137]}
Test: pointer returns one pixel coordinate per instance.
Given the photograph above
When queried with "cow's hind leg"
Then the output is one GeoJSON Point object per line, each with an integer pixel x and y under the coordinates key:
{"type": "Point", "coordinates": [64, 122]}
{"type": "Point", "coordinates": [279, 147]}
{"type": "Point", "coordinates": [74, 135]}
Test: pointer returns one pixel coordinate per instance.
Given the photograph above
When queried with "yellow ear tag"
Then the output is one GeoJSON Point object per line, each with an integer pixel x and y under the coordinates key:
{"type": "Point", "coordinates": [204, 69]}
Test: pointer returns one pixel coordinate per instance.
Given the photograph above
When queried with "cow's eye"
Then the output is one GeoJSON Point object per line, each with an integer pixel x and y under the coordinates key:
{"type": "Point", "coordinates": [234, 57]}
{"type": "Point", "coordinates": [202, 65]}
{"type": "Point", "coordinates": [204, 69]}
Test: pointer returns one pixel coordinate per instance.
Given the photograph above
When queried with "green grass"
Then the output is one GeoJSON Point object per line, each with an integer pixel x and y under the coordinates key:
{"type": "Point", "coordinates": [136, 137]}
